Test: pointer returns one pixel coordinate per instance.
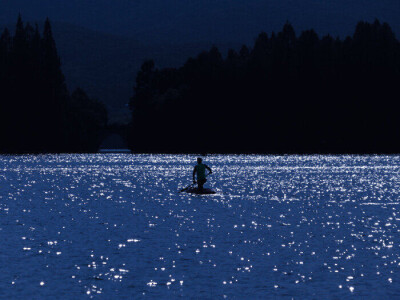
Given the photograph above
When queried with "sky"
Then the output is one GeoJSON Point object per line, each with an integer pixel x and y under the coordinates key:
{"type": "Point", "coordinates": [176, 21]}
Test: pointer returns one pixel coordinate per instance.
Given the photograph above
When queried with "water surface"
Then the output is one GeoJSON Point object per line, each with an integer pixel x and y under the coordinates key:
{"type": "Point", "coordinates": [109, 225]}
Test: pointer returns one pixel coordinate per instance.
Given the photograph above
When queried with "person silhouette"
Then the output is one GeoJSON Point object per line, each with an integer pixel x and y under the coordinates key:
{"type": "Point", "coordinates": [200, 170]}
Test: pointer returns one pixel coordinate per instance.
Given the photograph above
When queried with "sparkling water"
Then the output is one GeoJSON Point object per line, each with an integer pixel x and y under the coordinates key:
{"type": "Point", "coordinates": [115, 226]}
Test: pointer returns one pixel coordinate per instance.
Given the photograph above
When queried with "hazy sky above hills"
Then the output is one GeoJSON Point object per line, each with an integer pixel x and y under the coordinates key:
{"type": "Point", "coordinates": [204, 20]}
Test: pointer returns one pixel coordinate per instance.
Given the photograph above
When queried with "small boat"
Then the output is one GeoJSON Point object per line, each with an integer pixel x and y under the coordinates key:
{"type": "Point", "coordinates": [203, 192]}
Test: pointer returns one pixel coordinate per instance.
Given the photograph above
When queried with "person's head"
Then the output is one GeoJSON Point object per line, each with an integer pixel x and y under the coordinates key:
{"type": "Point", "coordinates": [199, 160]}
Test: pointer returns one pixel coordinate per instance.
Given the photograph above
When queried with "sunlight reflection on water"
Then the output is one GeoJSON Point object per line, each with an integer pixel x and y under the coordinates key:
{"type": "Point", "coordinates": [115, 226]}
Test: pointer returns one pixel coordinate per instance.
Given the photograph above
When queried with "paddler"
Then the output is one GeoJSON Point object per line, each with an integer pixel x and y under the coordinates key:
{"type": "Point", "coordinates": [200, 170]}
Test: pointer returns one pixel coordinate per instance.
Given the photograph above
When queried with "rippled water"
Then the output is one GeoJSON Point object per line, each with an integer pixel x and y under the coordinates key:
{"type": "Point", "coordinates": [107, 226]}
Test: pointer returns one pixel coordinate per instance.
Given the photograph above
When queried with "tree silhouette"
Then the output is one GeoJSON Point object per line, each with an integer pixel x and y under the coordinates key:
{"type": "Point", "coordinates": [286, 94]}
{"type": "Point", "coordinates": [37, 113]}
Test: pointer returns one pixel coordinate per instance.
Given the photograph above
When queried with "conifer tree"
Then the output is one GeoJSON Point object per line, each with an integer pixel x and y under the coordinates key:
{"type": "Point", "coordinates": [37, 114]}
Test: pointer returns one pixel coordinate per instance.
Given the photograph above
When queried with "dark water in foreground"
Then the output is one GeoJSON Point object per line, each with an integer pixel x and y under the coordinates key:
{"type": "Point", "coordinates": [114, 226]}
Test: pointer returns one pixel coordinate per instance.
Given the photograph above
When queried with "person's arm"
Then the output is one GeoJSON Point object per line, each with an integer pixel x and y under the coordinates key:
{"type": "Point", "coordinates": [194, 173]}
{"type": "Point", "coordinates": [209, 169]}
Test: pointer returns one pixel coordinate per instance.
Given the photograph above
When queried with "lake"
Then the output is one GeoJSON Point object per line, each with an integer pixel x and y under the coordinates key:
{"type": "Point", "coordinates": [115, 226]}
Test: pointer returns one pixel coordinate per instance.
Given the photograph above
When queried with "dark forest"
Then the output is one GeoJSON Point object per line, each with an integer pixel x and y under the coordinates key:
{"type": "Point", "coordinates": [37, 112]}
{"type": "Point", "coordinates": [286, 94]}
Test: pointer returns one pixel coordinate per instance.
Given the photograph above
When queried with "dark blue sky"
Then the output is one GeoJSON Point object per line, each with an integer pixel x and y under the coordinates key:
{"type": "Point", "coordinates": [204, 20]}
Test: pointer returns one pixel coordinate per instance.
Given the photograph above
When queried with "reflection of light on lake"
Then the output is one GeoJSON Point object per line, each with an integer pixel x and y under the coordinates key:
{"type": "Point", "coordinates": [115, 226]}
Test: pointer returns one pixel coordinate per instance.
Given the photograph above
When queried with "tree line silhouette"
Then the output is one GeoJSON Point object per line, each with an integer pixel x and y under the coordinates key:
{"type": "Point", "coordinates": [286, 94]}
{"type": "Point", "coordinates": [37, 113]}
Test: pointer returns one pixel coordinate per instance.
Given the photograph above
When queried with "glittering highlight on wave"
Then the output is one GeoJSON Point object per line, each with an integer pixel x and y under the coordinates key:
{"type": "Point", "coordinates": [115, 225]}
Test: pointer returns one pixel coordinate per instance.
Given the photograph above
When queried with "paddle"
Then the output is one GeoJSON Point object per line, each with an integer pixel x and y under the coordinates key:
{"type": "Point", "coordinates": [193, 184]}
